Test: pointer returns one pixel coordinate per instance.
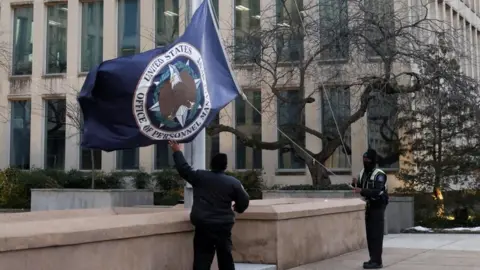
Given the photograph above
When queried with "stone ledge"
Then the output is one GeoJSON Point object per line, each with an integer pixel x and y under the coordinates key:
{"type": "Point", "coordinates": [289, 208]}
{"type": "Point", "coordinates": [71, 231]}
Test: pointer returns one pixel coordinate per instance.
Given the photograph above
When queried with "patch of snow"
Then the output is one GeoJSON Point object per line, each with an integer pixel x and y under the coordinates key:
{"type": "Point", "coordinates": [420, 229]}
{"type": "Point", "coordinates": [473, 229]}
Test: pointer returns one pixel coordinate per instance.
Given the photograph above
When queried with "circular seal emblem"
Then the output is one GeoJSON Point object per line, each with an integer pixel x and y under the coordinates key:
{"type": "Point", "coordinates": [171, 101]}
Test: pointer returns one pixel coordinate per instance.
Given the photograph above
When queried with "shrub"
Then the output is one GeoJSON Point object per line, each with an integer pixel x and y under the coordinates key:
{"type": "Point", "coordinates": [16, 185]}
{"type": "Point", "coordinates": [252, 182]}
{"type": "Point", "coordinates": [169, 186]}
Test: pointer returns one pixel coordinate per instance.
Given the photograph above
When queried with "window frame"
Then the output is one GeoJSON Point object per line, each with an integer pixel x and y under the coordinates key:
{"type": "Point", "coordinates": [11, 101]}
{"type": "Point", "coordinates": [47, 5]}
{"type": "Point", "coordinates": [45, 102]}
{"type": "Point", "coordinates": [330, 88]}
{"type": "Point", "coordinates": [397, 131]}
{"type": "Point", "coordinates": [138, 37]}
{"type": "Point", "coordinates": [288, 171]}
{"type": "Point", "coordinates": [235, 139]}
{"type": "Point", "coordinates": [80, 59]}
{"type": "Point", "coordinates": [14, 28]}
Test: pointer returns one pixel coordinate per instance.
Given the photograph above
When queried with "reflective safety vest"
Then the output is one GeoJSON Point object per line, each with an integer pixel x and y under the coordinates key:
{"type": "Point", "coordinates": [370, 183]}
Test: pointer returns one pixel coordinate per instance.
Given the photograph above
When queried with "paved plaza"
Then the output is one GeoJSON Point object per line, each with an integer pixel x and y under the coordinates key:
{"type": "Point", "coordinates": [415, 252]}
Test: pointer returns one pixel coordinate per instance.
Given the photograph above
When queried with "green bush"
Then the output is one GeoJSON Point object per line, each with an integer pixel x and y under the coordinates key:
{"type": "Point", "coordinates": [252, 182]}
{"type": "Point", "coordinates": [15, 185]}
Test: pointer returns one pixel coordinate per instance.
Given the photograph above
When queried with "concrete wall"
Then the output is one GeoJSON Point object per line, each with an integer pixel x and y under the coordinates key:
{"type": "Point", "coordinates": [161, 238]}
{"type": "Point", "coordinates": [398, 215]}
{"type": "Point", "coordinates": [62, 199]}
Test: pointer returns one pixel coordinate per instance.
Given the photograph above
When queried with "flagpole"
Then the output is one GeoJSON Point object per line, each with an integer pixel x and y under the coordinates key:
{"type": "Point", "coordinates": [194, 151]}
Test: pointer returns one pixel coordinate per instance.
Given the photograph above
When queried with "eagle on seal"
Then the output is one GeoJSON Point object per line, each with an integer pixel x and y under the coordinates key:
{"type": "Point", "coordinates": [176, 95]}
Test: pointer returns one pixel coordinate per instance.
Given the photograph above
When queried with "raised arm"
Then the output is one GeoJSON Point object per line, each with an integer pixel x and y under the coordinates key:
{"type": "Point", "coordinates": [182, 166]}
{"type": "Point", "coordinates": [379, 187]}
{"type": "Point", "coordinates": [242, 200]}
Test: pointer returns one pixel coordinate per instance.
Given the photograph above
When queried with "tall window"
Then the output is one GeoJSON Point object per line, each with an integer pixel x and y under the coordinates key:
{"type": "Point", "coordinates": [380, 28]}
{"type": "Point", "coordinates": [89, 157]}
{"type": "Point", "coordinates": [248, 121]}
{"type": "Point", "coordinates": [212, 143]}
{"type": "Point", "coordinates": [215, 9]}
{"type": "Point", "coordinates": [128, 159]}
{"type": "Point", "coordinates": [247, 26]}
{"type": "Point", "coordinates": [163, 156]}
{"type": "Point", "coordinates": [92, 35]}
{"type": "Point", "coordinates": [55, 112]}
{"type": "Point", "coordinates": [336, 102]}
{"type": "Point", "coordinates": [334, 29]}
{"type": "Point", "coordinates": [290, 113]}
{"type": "Point", "coordinates": [20, 134]}
{"type": "Point", "coordinates": [128, 27]}
{"type": "Point", "coordinates": [22, 40]}
{"type": "Point", "coordinates": [167, 21]}
{"type": "Point", "coordinates": [382, 130]}
{"type": "Point", "coordinates": [57, 16]}
{"type": "Point", "coordinates": [290, 28]}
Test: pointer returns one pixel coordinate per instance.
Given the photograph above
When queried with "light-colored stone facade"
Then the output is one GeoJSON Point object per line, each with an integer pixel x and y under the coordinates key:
{"type": "Point", "coordinates": [39, 86]}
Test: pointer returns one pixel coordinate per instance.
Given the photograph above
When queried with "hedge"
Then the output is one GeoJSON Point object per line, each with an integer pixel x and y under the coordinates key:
{"type": "Point", "coordinates": [15, 185]}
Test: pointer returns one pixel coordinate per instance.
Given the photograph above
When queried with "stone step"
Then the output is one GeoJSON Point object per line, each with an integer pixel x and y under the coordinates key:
{"type": "Point", "coordinates": [248, 266]}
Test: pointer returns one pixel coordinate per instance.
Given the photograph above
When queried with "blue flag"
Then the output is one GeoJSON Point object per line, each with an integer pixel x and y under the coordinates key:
{"type": "Point", "coordinates": [168, 93]}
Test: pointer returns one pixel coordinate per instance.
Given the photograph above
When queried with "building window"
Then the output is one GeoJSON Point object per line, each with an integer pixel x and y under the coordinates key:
{"type": "Point", "coordinates": [57, 16]}
{"type": "Point", "coordinates": [247, 26]}
{"type": "Point", "coordinates": [92, 35]}
{"type": "Point", "coordinates": [128, 159]}
{"type": "Point", "coordinates": [336, 102]}
{"type": "Point", "coordinates": [382, 130]}
{"type": "Point", "coordinates": [380, 28]}
{"type": "Point", "coordinates": [212, 143]}
{"type": "Point", "coordinates": [290, 28]}
{"type": "Point", "coordinates": [167, 21]}
{"type": "Point", "coordinates": [128, 27]}
{"type": "Point", "coordinates": [334, 29]}
{"type": "Point", "coordinates": [163, 156]}
{"type": "Point", "coordinates": [89, 157]}
{"type": "Point", "coordinates": [290, 113]}
{"type": "Point", "coordinates": [22, 40]}
{"type": "Point", "coordinates": [20, 134]}
{"type": "Point", "coordinates": [55, 111]}
{"type": "Point", "coordinates": [215, 9]}
{"type": "Point", "coordinates": [248, 121]}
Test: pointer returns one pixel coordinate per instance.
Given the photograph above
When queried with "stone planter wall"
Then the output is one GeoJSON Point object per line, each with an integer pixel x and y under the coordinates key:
{"type": "Point", "coordinates": [399, 213]}
{"type": "Point", "coordinates": [64, 199]}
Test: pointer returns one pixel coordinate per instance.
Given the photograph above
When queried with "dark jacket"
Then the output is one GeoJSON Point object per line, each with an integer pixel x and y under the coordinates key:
{"type": "Point", "coordinates": [375, 192]}
{"type": "Point", "coordinates": [213, 194]}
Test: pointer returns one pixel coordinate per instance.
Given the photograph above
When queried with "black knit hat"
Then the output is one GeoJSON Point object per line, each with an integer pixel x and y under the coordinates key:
{"type": "Point", "coordinates": [371, 154]}
{"type": "Point", "coordinates": [219, 162]}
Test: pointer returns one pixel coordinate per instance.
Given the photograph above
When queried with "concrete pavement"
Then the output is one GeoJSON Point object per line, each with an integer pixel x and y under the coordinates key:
{"type": "Point", "coordinates": [415, 252]}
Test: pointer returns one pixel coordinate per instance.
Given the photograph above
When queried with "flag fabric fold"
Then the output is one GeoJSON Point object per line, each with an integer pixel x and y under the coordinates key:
{"type": "Point", "coordinates": [168, 93]}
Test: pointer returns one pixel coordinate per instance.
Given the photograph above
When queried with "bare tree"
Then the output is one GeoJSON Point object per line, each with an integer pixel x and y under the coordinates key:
{"type": "Point", "coordinates": [368, 47]}
{"type": "Point", "coordinates": [441, 127]}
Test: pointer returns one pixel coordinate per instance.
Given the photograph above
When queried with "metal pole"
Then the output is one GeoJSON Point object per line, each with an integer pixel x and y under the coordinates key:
{"type": "Point", "coordinates": [194, 151]}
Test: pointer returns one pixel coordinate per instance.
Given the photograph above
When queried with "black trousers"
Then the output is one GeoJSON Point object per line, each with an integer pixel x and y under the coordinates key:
{"type": "Point", "coordinates": [374, 223]}
{"type": "Point", "coordinates": [210, 239]}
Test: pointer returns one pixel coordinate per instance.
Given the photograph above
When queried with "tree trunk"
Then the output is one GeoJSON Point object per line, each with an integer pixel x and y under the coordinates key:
{"type": "Point", "coordinates": [92, 159]}
{"type": "Point", "coordinates": [320, 176]}
{"type": "Point", "coordinates": [440, 204]}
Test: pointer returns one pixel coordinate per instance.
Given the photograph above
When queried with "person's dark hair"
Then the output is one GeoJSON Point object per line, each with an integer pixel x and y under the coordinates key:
{"type": "Point", "coordinates": [219, 162]}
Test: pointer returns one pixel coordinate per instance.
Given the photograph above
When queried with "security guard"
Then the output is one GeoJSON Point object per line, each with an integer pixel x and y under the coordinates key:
{"type": "Point", "coordinates": [372, 186]}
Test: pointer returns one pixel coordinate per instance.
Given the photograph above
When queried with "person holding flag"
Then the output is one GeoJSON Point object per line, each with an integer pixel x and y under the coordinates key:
{"type": "Point", "coordinates": [212, 213]}
{"type": "Point", "coordinates": [171, 94]}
